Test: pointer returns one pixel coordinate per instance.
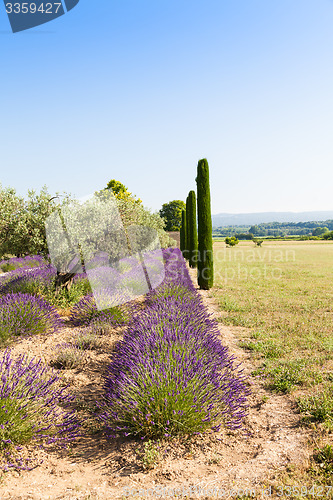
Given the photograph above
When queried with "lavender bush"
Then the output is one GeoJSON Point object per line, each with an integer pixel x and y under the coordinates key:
{"type": "Point", "coordinates": [24, 314]}
{"type": "Point", "coordinates": [67, 356]}
{"type": "Point", "coordinates": [88, 339]}
{"type": "Point", "coordinates": [171, 374]}
{"type": "Point", "coordinates": [33, 404]}
{"type": "Point", "coordinates": [34, 281]}
{"type": "Point", "coordinates": [85, 313]}
{"type": "Point", "coordinates": [41, 282]}
{"type": "Point", "coordinates": [22, 263]}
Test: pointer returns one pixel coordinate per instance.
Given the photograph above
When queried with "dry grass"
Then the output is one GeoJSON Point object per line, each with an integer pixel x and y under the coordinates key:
{"type": "Point", "coordinates": [282, 294]}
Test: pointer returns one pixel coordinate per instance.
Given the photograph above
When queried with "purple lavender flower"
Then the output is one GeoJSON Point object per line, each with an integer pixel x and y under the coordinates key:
{"type": "Point", "coordinates": [33, 405]}
{"type": "Point", "coordinates": [171, 370]}
{"type": "Point", "coordinates": [22, 262]}
{"type": "Point", "coordinates": [85, 313]}
{"type": "Point", "coordinates": [23, 280]}
{"type": "Point", "coordinates": [24, 314]}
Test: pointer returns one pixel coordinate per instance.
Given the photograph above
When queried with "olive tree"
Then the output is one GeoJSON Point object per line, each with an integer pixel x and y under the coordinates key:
{"type": "Point", "coordinates": [22, 221]}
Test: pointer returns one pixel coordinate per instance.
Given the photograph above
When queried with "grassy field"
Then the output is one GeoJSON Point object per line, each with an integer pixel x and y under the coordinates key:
{"type": "Point", "coordinates": [282, 293]}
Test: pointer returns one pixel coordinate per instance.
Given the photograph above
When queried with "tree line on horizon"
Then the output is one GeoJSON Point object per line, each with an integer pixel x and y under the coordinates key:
{"type": "Point", "coordinates": [276, 229]}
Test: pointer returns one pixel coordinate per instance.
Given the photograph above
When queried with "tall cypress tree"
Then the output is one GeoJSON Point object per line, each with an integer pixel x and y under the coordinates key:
{"type": "Point", "coordinates": [188, 223]}
{"type": "Point", "coordinates": [205, 238]}
{"type": "Point", "coordinates": [184, 237]}
{"type": "Point", "coordinates": [192, 230]}
{"type": "Point", "coordinates": [182, 232]}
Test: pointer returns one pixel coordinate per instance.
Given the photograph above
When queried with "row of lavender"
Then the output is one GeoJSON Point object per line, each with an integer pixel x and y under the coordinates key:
{"type": "Point", "coordinates": [35, 405]}
{"type": "Point", "coordinates": [29, 304]}
{"type": "Point", "coordinates": [170, 374]}
{"type": "Point", "coordinates": [27, 262]}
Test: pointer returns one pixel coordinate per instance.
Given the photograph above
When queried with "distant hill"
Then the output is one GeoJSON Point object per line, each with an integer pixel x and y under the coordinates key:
{"type": "Point", "coordinates": [224, 219]}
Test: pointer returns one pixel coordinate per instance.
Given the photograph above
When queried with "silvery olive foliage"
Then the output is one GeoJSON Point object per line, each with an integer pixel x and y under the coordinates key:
{"type": "Point", "coordinates": [133, 213]}
{"type": "Point", "coordinates": [22, 221]}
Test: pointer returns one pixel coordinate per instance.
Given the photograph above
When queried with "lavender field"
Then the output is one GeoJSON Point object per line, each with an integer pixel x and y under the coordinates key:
{"type": "Point", "coordinates": [166, 375]}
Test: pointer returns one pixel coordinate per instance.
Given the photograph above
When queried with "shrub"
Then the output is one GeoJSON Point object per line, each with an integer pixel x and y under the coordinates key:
{"type": "Point", "coordinates": [35, 281]}
{"type": "Point", "coordinates": [85, 312]}
{"type": "Point", "coordinates": [33, 404]}
{"type": "Point", "coordinates": [151, 455]}
{"type": "Point", "coordinates": [101, 328]}
{"type": "Point", "coordinates": [257, 242]}
{"type": "Point", "coordinates": [24, 314]}
{"type": "Point", "coordinates": [67, 356]}
{"type": "Point", "coordinates": [41, 282]}
{"type": "Point", "coordinates": [171, 375]}
{"type": "Point", "coordinates": [65, 298]}
{"type": "Point", "coordinates": [231, 242]}
{"type": "Point", "coordinates": [88, 339]}
{"type": "Point", "coordinates": [175, 270]}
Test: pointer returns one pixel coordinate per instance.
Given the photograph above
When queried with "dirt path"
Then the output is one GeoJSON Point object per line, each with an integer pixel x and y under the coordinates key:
{"type": "Point", "coordinates": [96, 469]}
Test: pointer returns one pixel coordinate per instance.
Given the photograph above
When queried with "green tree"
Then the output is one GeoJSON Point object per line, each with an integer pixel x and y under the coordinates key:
{"type": "Point", "coordinates": [205, 239]}
{"type": "Point", "coordinates": [133, 212]}
{"type": "Point", "coordinates": [12, 208]}
{"type": "Point", "coordinates": [319, 231]}
{"type": "Point", "coordinates": [183, 245]}
{"type": "Point", "coordinates": [254, 229]}
{"type": "Point", "coordinates": [257, 242]}
{"type": "Point", "coordinates": [192, 229]}
{"type": "Point", "coordinates": [172, 214]}
{"type": "Point", "coordinates": [22, 222]}
{"type": "Point", "coordinates": [121, 192]}
{"type": "Point", "coordinates": [328, 236]}
{"type": "Point", "coordinates": [231, 242]}
{"type": "Point", "coordinates": [187, 214]}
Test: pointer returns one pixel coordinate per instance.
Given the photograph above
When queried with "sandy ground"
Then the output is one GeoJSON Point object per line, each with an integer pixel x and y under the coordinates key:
{"type": "Point", "coordinates": [95, 468]}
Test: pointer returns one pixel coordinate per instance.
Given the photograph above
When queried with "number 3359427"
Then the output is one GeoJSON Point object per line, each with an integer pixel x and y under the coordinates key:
{"type": "Point", "coordinates": [32, 8]}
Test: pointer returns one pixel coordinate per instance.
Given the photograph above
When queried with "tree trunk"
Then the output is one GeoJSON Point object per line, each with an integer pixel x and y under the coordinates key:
{"type": "Point", "coordinates": [65, 280]}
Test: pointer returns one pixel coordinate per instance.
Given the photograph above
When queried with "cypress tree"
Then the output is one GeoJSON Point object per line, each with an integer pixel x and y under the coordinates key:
{"type": "Point", "coordinates": [182, 232]}
{"type": "Point", "coordinates": [183, 235]}
{"type": "Point", "coordinates": [192, 230]}
{"type": "Point", "coordinates": [205, 238]}
{"type": "Point", "coordinates": [188, 223]}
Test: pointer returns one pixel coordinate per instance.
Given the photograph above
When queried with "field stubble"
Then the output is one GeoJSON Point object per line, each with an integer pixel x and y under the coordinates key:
{"type": "Point", "coordinates": [281, 297]}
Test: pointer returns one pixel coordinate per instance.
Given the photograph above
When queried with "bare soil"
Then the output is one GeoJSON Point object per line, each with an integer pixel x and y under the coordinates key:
{"type": "Point", "coordinates": [94, 468]}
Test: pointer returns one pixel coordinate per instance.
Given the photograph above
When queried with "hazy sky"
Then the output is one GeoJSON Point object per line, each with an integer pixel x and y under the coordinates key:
{"type": "Point", "coordinates": [140, 90]}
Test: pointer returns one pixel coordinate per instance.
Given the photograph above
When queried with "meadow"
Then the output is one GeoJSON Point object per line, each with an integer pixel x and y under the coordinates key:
{"type": "Point", "coordinates": [281, 298]}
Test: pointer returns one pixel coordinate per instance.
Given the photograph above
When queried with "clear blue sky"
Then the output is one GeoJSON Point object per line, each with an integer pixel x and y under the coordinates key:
{"type": "Point", "coordinates": [140, 90]}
